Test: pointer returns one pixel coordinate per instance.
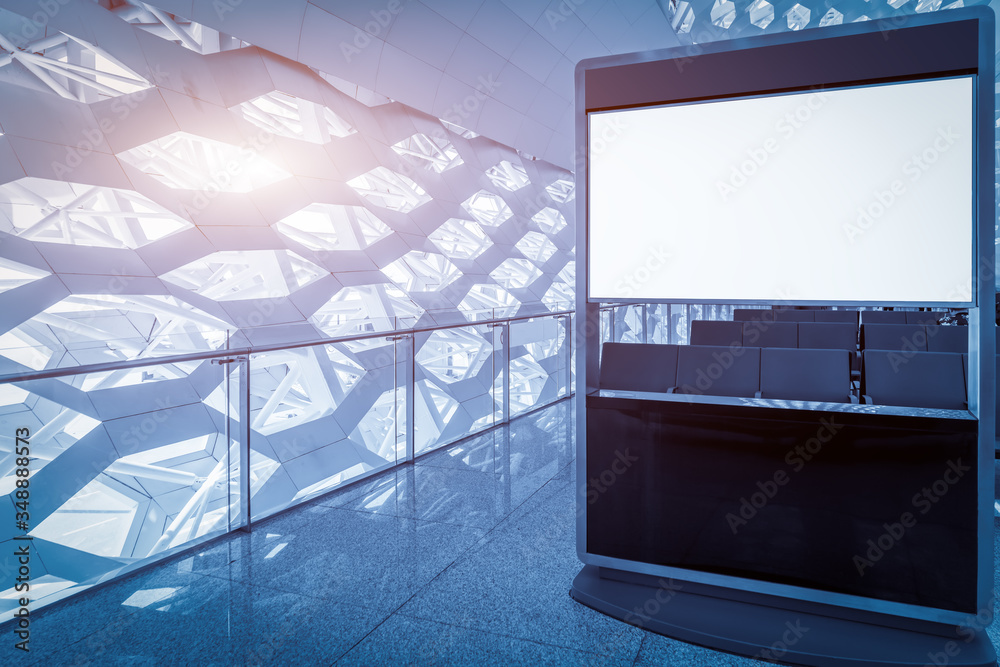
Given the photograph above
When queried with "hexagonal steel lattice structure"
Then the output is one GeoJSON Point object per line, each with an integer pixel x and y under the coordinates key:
{"type": "Point", "coordinates": [515, 273]}
{"type": "Point", "coordinates": [460, 239]}
{"type": "Point", "coordinates": [188, 162]}
{"type": "Point", "coordinates": [333, 227]}
{"type": "Point", "coordinates": [488, 208]}
{"type": "Point", "coordinates": [294, 117]}
{"type": "Point", "coordinates": [203, 213]}
{"type": "Point", "coordinates": [250, 274]}
{"type": "Point", "coordinates": [436, 154]}
{"type": "Point", "coordinates": [422, 272]}
{"type": "Point", "coordinates": [536, 247]}
{"type": "Point", "coordinates": [14, 274]}
{"type": "Point", "coordinates": [84, 215]}
{"type": "Point", "coordinates": [507, 175]}
{"type": "Point", "coordinates": [388, 189]}
{"type": "Point", "coordinates": [550, 220]}
{"type": "Point", "coordinates": [63, 63]}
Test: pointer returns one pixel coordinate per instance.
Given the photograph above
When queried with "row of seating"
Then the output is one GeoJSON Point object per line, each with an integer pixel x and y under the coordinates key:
{"type": "Point", "coordinates": [846, 316]}
{"type": "Point", "coordinates": [815, 375]}
{"type": "Point", "coordinates": [831, 335]}
{"type": "Point", "coordinates": [910, 337]}
{"type": "Point", "coordinates": [918, 379]}
{"type": "Point", "coordinates": [815, 335]}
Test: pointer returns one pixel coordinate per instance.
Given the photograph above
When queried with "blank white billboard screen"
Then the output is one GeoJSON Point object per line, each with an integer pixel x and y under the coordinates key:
{"type": "Point", "coordinates": [851, 195]}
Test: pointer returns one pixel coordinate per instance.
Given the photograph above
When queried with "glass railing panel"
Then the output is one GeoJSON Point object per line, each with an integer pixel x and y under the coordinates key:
{"type": "Point", "coordinates": [456, 376]}
{"type": "Point", "coordinates": [538, 360]}
{"type": "Point", "coordinates": [128, 465]}
{"type": "Point", "coordinates": [628, 324]}
{"type": "Point", "coordinates": [320, 416]}
{"type": "Point", "coordinates": [118, 475]}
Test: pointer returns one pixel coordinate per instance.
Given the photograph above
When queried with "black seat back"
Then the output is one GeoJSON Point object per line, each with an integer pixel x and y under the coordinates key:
{"type": "Point", "coordinates": [638, 366]}
{"type": "Point", "coordinates": [883, 317]}
{"type": "Point", "coordinates": [828, 336]}
{"type": "Point", "coordinates": [753, 315]}
{"type": "Point", "coordinates": [924, 316]}
{"type": "Point", "coordinates": [905, 337]}
{"type": "Point", "coordinates": [941, 338]}
{"type": "Point", "coordinates": [794, 315]}
{"type": "Point", "coordinates": [716, 332]}
{"type": "Point", "coordinates": [718, 371]}
{"type": "Point", "coordinates": [846, 316]}
{"type": "Point", "coordinates": [805, 374]}
{"type": "Point", "coordinates": [917, 379]}
{"type": "Point", "coordinates": [775, 334]}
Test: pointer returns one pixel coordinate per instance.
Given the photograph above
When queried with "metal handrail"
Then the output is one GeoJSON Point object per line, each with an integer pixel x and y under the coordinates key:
{"type": "Point", "coordinates": [218, 354]}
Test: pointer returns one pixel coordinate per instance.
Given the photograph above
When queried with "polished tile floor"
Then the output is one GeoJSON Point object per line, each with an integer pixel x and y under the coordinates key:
{"type": "Point", "coordinates": [464, 558]}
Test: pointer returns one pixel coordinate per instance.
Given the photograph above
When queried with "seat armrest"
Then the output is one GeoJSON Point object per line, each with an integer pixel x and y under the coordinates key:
{"type": "Point", "coordinates": [756, 394]}
{"type": "Point", "coordinates": [867, 400]}
{"type": "Point", "coordinates": [853, 399]}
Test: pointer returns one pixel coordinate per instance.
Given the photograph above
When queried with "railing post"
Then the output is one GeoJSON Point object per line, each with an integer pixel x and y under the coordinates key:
{"type": "Point", "coordinates": [243, 435]}
{"type": "Point", "coordinates": [409, 392]}
{"type": "Point", "coordinates": [504, 332]}
{"type": "Point", "coordinates": [567, 321]}
{"type": "Point", "coordinates": [244, 464]}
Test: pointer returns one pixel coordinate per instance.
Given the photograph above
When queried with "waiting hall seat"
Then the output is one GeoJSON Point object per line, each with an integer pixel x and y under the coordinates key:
{"type": "Point", "coordinates": [914, 379]}
{"type": "Point", "coordinates": [943, 338]}
{"type": "Point", "coordinates": [883, 317]}
{"type": "Point", "coordinates": [806, 375]}
{"type": "Point", "coordinates": [828, 336]}
{"type": "Point", "coordinates": [845, 316]}
{"type": "Point", "coordinates": [775, 334]}
{"type": "Point", "coordinates": [924, 316]}
{"type": "Point", "coordinates": [753, 315]}
{"type": "Point", "coordinates": [716, 332]}
{"type": "Point", "coordinates": [638, 366]}
{"type": "Point", "coordinates": [794, 315]}
{"type": "Point", "coordinates": [905, 337]}
{"type": "Point", "coordinates": [832, 336]}
{"type": "Point", "coordinates": [718, 370]}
